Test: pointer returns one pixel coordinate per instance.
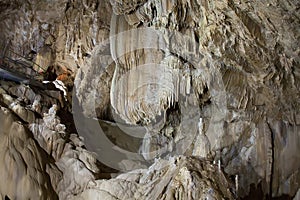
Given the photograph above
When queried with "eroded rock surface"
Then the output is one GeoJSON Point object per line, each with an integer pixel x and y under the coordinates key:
{"type": "Point", "coordinates": [176, 178]}
{"type": "Point", "coordinates": [40, 159]}
{"type": "Point", "coordinates": [25, 166]}
{"type": "Point", "coordinates": [218, 80]}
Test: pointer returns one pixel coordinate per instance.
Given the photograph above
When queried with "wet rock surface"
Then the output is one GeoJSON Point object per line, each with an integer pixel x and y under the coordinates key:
{"type": "Point", "coordinates": [211, 88]}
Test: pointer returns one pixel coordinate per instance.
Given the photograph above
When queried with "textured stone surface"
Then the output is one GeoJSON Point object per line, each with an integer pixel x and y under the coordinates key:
{"type": "Point", "coordinates": [40, 159]}
{"type": "Point", "coordinates": [167, 66]}
{"type": "Point", "coordinates": [25, 166]}
{"type": "Point", "coordinates": [248, 44]}
{"type": "Point", "coordinates": [76, 163]}
{"type": "Point", "coordinates": [176, 178]}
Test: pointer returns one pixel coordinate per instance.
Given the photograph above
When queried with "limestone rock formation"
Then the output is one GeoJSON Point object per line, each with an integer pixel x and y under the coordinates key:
{"type": "Point", "coordinates": [77, 164]}
{"type": "Point", "coordinates": [40, 159]}
{"type": "Point", "coordinates": [25, 166]}
{"type": "Point", "coordinates": [196, 99]}
{"type": "Point", "coordinates": [176, 178]}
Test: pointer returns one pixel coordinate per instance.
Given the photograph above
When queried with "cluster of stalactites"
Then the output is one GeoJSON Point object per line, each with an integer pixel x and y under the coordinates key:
{"type": "Point", "coordinates": [144, 92]}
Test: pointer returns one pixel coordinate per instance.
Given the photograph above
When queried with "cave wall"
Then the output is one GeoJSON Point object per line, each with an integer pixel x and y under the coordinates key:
{"type": "Point", "coordinates": [163, 65]}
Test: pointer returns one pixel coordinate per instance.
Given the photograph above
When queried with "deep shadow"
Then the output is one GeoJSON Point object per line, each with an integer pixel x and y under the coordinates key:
{"type": "Point", "coordinates": [257, 193]}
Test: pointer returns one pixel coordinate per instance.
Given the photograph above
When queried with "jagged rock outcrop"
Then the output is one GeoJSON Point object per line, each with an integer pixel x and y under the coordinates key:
{"type": "Point", "coordinates": [76, 163]}
{"type": "Point", "coordinates": [24, 165]}
{"type": "Point", "coordinates": [55, 35]}
{"type": "Point", "coordinates": [40, 160]}
{"type": "Point", "coordinates": [176, 178]}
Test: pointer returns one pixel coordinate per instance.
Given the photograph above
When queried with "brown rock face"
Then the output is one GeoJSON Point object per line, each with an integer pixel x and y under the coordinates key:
{"type": "Point", "coordinates": [200, 99]}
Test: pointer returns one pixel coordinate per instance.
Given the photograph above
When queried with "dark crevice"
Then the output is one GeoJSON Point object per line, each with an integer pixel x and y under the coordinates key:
{"type": "Point", "coordinates": [67, 6]}
{"type": "Point", "coordinates": [196, 37]}
{"type": "Point", "coordinates": [173, 115]}
{"type": "Point", "coordinates": [66, 118]}
{"type": "Point", "coordinates": [153, 11]}
{"type": "Point", "coordinates": [256, 192]}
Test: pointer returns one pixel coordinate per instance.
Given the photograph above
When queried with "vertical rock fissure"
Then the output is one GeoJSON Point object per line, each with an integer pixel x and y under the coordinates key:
{"type": "Point", "coordinates": [273, 158]}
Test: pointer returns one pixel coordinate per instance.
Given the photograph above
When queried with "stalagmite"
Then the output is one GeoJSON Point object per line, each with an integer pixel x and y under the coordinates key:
{"type": "Point", "coordinates": [202, 144]}
{"type": "Point", "coordinates": [236, 179]}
